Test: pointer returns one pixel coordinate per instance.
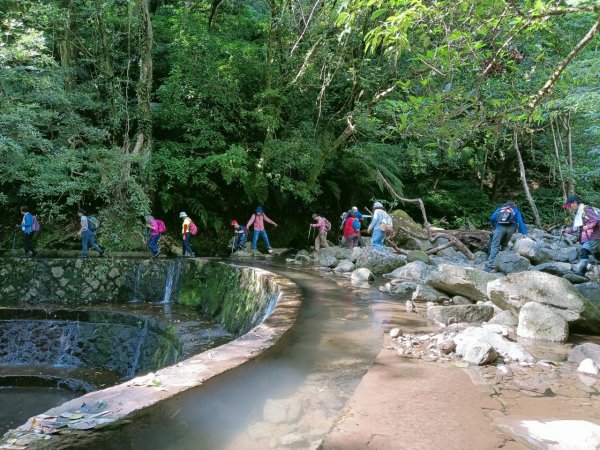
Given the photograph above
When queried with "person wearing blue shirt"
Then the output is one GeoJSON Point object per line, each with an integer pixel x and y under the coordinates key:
{"type": "Point", "coordinates": [26, 226]}
{"type": "Point", "coordinates": [504, 220]}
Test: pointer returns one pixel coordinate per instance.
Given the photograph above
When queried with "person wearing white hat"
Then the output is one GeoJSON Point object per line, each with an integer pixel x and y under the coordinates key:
{"type": "Point", "coordinates": [379, 225]}
{"type": "Point", "coordinates": [187, 229]}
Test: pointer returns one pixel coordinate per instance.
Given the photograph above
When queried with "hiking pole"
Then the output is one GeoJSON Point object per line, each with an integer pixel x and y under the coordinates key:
{"type": "Point", "coordinates": [14, 250]}
{"type": "Point", "coordinates": [309, 230]}
{"type": "Point", "coordinates": [232, 245]}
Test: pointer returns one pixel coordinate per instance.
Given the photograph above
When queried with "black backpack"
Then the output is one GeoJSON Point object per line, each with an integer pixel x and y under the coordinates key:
{"type": "Point", "coordinates": [506, 216]}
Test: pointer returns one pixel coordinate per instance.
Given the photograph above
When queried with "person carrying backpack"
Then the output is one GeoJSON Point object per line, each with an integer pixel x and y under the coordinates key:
{"type": "Point", "coordinates": [504, 220]}
{"type": "Point", "coordinates": [27, 226]}
{"type": "Point", "coordinates": [239, 240]}
{"type": "Point", "coordinates": [379, 226]}
{"type": "Point", "coordinates": [188, 228]}
{"type": "Point", "coordinates": [323, 225]}
{"type": "Point", "coordinates": [87, 230]}
{"type": "Point", "coordinates": [156, 227]}
{"type": "Point", "coordinates": [360, 217]}
{"type": "Point", "coordinates": [351, 230]}
{"type": "Point", "coordinates": [586, 221]}
{"type": "Point", "coordinates": [258, 219]}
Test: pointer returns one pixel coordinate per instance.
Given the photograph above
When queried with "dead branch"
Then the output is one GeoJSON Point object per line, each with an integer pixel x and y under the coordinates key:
{"type": "Point", "coordinates": [389, 187]}
{"type": "Point", "coordinates": [431, 251]}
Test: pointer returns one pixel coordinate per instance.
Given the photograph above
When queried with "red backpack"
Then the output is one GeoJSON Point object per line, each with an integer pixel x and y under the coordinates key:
{"type": "Point", "coordinates": [160, 226]}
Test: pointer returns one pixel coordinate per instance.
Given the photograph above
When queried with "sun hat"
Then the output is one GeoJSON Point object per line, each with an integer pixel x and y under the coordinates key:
{"type": "Point", "coordinates": [572, 199]}
{"type": "Point", "coordinates": [182, 215]}
{"type": "Point", "coordinates": [377, 205]}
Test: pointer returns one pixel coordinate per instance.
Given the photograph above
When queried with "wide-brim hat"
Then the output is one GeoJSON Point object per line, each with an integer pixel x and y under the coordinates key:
{"type": "Point", "coordinates": [572, 199]}
{"type": "Point", "coordinates": [182, 215]}
{"type": "Point", "coordinates": [377, 205]}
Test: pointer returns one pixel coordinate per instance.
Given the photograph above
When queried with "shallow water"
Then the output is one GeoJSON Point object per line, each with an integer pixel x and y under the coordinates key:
{"type": "Point", "coordinates": [290, 395]}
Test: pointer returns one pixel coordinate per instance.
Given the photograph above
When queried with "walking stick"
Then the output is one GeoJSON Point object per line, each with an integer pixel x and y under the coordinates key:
{"type": "Point", "coordinates": [14, 250]}
{"type": "Point", "coordinates": [309, 230]}
{"type": "Point", "coordinates": [232, 245]}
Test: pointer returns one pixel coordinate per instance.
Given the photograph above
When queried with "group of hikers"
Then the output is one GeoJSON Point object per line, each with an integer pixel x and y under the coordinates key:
{"type": "Point", "coordinates": [505, 221]}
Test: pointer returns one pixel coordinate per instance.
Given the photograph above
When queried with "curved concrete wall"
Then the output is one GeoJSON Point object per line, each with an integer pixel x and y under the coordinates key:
{"type": "Point", "coordinates": [243, 298]}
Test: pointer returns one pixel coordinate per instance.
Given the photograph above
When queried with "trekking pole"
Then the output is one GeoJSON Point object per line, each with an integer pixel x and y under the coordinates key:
{"type": "Point", "coordinates": [232, 245]}
{"type": "Point", "coordinates": [14, 250]}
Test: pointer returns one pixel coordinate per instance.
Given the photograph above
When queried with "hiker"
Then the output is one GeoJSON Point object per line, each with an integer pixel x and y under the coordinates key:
{"type": "Point", "coordinates": [239, 240]}
{"type": "Point", "coordinates": [87, 230]}
{"type": "Point", "coordinates": [351, 230]}
{"type": "Point", "coordinates": [504, 220]}
{"type": "Point", "coordinates": [323, 225]}
{"type": "Point", "coordinates": [187, 228]}
{"type": "Point", "coordinates": [26, 226]}
{"type": "Point", "coordinates": [379, 226]}
{"type": "Point", "coordinates": [258, 219]}
{"type": "Point", "coordinates": [586, 222]}
{"type": "Point", "coordinates": [358, 215]}
{"type": "Point", "coordinates": [156, 229]}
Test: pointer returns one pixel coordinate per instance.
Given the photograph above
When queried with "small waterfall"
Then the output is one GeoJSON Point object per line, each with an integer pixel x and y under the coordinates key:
{"type": "Point", "coordinates": [137, 283]}
{"type": "Point", "coordinates": [172, 280]}
{"type": "Point", "coordinates": [138, 350]}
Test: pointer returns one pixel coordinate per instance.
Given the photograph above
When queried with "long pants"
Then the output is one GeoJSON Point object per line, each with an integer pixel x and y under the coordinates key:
{"type": "Point", "coordinates": [187, 248]}
{"type": "Point", "coordinates": [87, 238]}
{"type": "Point", "coordinates": [321, 239]}
{"type": "Point", "coordinates": [378, 239]}
{"type": "Point", "coordinates": [152, 243]}
{"type": "Point", "coordinates": [239, 242]}
{"type": "Point", "coordinates": [351, 240]}
{"type": "Point", "coordinates": [28, 245]}
{"type": "Point", "coordinates": [263, 234]}
{"type": "Point", "coordinates": [588, 248]}
{"type": "Point", "coordinates": [500, 239]}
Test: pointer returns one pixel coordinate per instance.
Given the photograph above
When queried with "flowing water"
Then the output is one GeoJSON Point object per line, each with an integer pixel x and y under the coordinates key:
{"type": "Point", "coordinates": [289, 396]}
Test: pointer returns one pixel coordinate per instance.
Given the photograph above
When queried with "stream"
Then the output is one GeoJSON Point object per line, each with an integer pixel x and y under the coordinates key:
{"type": "Point", "coordinates": [290, 396]}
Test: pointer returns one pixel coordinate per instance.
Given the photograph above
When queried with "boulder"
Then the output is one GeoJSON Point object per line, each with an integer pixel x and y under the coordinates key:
{"type": "Point", "coordinates": [356, 251]}
{"type": "Point", "coordinates": [379, 261]}
{"type": "Point", "coordinates": [402, 219]}
{"type": "Point", "coordinates": [328, 261]}
{"type": "Point", "coordinates": [362, 275]}
{"type": "Point", "coordinates": [574, 278]}
{"type": "Point", "coordinates": [480, 354]}
{"type": "Point", "coordinates": [537, 321]}
{"type": "Point", "coordinates": [509, 262]}
{"type": "Point", "coordinates": [334, 251]}
{"type": "Point", "coordinates": [418, 255]}
{"type": "Point", "coordinates": [460, 313]}
{"type": "Point", "coordinates": [589, 367]}
{"type": "Point", "coordinates": [477, 335]}
{"type": "Point", "coordinates": [532, 250]}
{"type": "Point", "coordinates": [584, 351]}
{"type": "Point", "coordinates": [506, 318]}
{"type": "Point", "coordinates": [591, 291]}
{"type": "Point", "coordinates": [414, 271]}
{"type": "Point", "coordinates": [564, 254]}
{"type": "Point", "coordinates": [405, 290]}
{"type": "Point", "coordinates": [460, 300]}
{"type": "Point", "coordinates": [457, 280]}
{"type": "Point", "coordinates": [425, 294]}
{"type": "Point", "coordinates": [241, 254]}
{"type": "Point", "coordinates": [516, 289]}
{"type": "Point", "coordinates": [345, 265]}
{"type": "Point", "coordinates": [554, 268]}
{"type": "Point", "coordinates": [303, 259]}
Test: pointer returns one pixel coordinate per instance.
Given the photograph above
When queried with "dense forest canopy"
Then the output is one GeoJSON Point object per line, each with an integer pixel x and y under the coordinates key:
{"type": "Point", "coordinates": [129, 107]}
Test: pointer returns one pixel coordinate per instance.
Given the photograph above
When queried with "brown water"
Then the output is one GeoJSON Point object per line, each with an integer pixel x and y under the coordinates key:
{"type": "Point", "coordinates": [289, 397]}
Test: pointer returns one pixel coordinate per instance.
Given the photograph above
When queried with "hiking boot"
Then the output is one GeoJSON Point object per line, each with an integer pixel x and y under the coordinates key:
{"type": "Point", "coordinates": [581, 271]}
{"type": "Point", "coordinates": [101, 252]}
{"type": "Point", "coordinates": [269, 251]}
{"type": "Point", "coordinates": [489, 267]}
{"type": "Point", "coordinates": [82, 256]}
{"type": "Point", "coordinates": [156, 254]}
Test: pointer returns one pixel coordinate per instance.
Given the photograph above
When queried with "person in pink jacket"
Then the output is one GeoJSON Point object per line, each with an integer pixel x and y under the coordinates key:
{"type": "Point", "coordinates": [258, 219]}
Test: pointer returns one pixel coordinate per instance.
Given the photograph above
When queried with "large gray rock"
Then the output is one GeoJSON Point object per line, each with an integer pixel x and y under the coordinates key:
{"type": "Point", "coordinates": [413, 271]}
{"type": "Point", "coordinates": [418, 255]}
{"type": "Point", "coordinates": [379, 261]}
{"type": "Point", "coordinates": [457, 280]}
{"type": "Point", "coordinates": [564, 254]}
{"type": "Point", "coordinates": [334, 251]}
{"type": "Point", "coordinates": [476, 335]}
{"type": "Point", "coordinates": [356, 251]}
{"type": "Point", "coordinates": [425, 294]}
{"type": "Point", "coordinates": [328, 261]}
{"type": "Point", "coordinates": [362, 275]}
{"type": "Point", "coordinates": [585, 351]}
{"type": "Point", "coordinates": [480, 354]}
{"type": "Point", "coordinates": [554, 268]}
{"type": "Point", "coordinates": [509, 262]}
{"type": "Point", "coordinates": [517, 289]}
{"type": "Point", "coordinates": [537, 321]}
{"type": "Point", "coordinates": [506, 318]}
{"type": "Point", "coordinates": [405, 290]}
{"type": "Point", "coordinates": [531, 250]}
{"type": "Point", "coordinates": [345, 265]}
{"type": "Point", "coordinates": [460, 313]}
{"type": "Point", "coordinates": [591, 291]}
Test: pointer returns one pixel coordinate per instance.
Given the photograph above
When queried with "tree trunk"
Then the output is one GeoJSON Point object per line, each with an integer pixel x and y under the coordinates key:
{"type": "Point", "coordinates": [558, 163]}
{"type": "Point", "coordinates": [66, 47]}
{"type": "Point", "coordinates": [536, 214]}
{"type": "Point", "coordinates": [144, 86]}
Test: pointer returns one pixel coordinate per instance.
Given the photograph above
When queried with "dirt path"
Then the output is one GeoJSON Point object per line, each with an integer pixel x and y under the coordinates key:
{"type": "Point", "coordinates": [409, 404]}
